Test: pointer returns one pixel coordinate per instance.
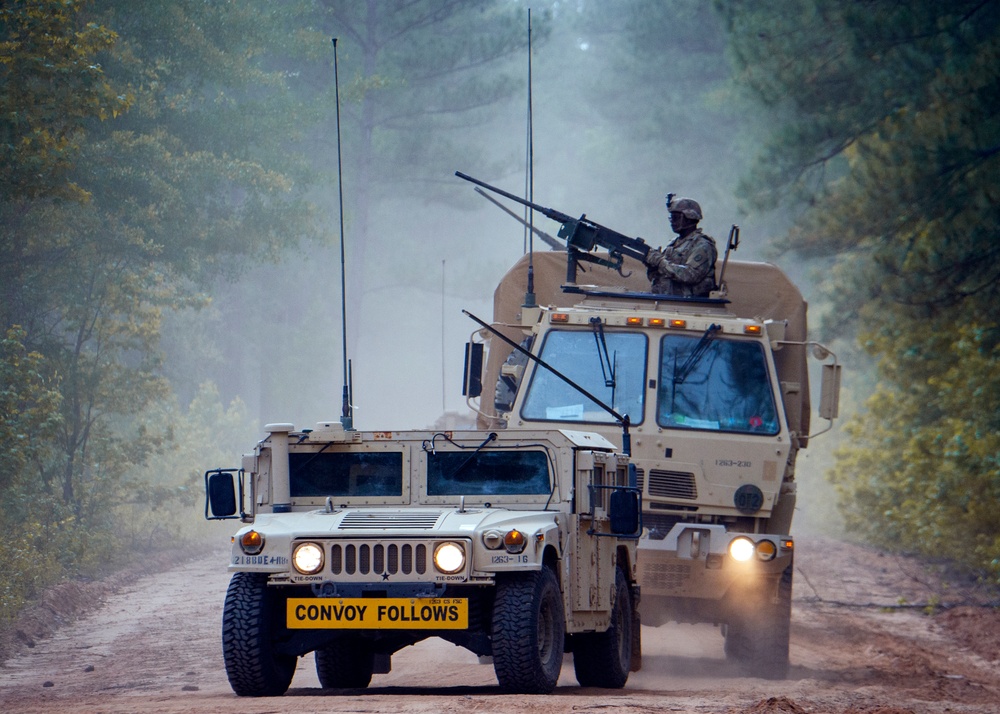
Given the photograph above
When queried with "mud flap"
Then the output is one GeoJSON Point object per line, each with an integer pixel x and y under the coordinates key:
{"type": "Point", "coordinates": [636, 632]}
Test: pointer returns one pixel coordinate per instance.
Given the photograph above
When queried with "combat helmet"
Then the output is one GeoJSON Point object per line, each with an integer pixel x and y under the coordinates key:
{"type": "Point", "coordinates": [688, 206]}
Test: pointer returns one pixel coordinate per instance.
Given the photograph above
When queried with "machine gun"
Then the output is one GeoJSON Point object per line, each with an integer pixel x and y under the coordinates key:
{"type": "Point", "coordinates": [581, 235]}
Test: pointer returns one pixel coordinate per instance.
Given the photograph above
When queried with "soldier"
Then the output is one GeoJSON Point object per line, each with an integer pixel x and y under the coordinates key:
{"type": "Point", "coordinates": [686, 267]}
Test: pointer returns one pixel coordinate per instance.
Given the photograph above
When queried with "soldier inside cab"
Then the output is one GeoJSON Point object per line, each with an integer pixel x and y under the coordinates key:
{"type": "Point", "coordinates": [686, 267]}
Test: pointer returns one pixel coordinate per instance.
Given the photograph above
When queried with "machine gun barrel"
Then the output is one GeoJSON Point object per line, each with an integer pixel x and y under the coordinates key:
{"type": "Point", "coordinates": [580, 233]}
{"type": "Point", "coordinates": [549, 240]}
{"type": "Point", "coordinates": [547, 212]}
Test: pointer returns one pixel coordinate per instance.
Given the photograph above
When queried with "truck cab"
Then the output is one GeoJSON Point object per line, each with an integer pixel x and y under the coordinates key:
{"type": "Point", "coordinates": [716, 394]}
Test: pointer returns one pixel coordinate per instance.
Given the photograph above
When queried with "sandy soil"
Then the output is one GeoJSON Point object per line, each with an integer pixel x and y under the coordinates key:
{"type": "Point", "coordinates": [861, 644]}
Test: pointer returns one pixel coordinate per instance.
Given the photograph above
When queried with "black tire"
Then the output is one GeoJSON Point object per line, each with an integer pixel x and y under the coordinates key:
{"type": "Point", "coordinates": [604, 659]}
{"type": "Point", "coordinates": [348, 664]}
{"type": "Point", "coordinates": [758, 639]}
{"type": "Point", "coordinates": [529, 632]}
{"type": "Point", "coordinates": [253, 667]}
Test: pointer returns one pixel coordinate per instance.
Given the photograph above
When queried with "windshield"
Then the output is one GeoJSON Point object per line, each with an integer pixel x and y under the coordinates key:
{"type": "Point", "coordinates": [724, 386]}
{"type": "Point", "coordinates": [345, 474]}
{"type": "Point", "coordinates": [491, 473]}
{"type": "Point", "coordinates": [579, 356]}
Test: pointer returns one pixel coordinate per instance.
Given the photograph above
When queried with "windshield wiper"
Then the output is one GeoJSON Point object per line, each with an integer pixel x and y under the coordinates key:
{"type": "Point", "coordinates": [696, 354]}
{"type": "Point", "coordinates": [622, 419]}
{"type": "Point", "coordinates": [602, 354]}
{"type": "Point", "coordinates": [491, 437]}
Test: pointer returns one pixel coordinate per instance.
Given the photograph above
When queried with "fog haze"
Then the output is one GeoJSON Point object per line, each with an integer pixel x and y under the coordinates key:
{"type": "Point", "coordinates": [436, 247]}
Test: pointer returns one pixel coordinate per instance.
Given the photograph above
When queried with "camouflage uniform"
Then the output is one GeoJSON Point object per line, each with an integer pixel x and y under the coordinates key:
{"type": "Point", "coordinates": [686, 267]}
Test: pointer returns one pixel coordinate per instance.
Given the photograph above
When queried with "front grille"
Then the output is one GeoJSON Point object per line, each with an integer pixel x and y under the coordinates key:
{"type": "Point", "coordinates": [360, 520]}
{"type": "Point", "coordinates": [667, 577]}
{"type": "Point", "coordinates": [669, 484]}
{"type": "Point", "coordinates": [378, 558]}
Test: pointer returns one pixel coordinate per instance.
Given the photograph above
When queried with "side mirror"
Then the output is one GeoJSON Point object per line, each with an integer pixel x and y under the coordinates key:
{"type": "Point", "coordinates": [472, 385]}
{"type": "Point", "coordinates": [829, 397]}
{"type": "Point", "coordinates": [624, 512]}
{"type": "Point", "coordinates": [221, 489]}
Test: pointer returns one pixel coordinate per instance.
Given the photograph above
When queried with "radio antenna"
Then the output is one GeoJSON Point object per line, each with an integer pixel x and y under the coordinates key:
{"type": "Point", "coordinates": [346, 411]}
{"type": "Point", "coordinates": [529, 295]}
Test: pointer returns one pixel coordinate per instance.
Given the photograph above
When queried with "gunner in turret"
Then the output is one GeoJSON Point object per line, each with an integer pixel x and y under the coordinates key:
{"type": "Point", "coordinates": [686, 267]}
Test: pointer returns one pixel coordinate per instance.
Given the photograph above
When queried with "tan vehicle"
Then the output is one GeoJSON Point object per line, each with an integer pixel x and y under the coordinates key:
{"type": "Point", "coordinates": [517, 545]}
{"type": "Point", "coordinates": [716, 392]}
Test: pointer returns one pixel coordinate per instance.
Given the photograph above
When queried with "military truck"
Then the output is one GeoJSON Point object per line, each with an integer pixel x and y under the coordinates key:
{"type": "Point", "coordinates": [517, 545]}
{"type": "Point", "coordinates": [716, 391]}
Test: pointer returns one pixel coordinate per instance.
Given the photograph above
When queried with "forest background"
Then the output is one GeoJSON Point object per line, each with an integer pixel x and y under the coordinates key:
{"type": "Point", "coordinates": [170, 248]}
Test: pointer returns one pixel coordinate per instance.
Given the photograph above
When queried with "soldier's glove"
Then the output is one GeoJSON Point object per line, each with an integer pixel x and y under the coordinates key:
{"type": "Point", "coordinates": [653, 258]}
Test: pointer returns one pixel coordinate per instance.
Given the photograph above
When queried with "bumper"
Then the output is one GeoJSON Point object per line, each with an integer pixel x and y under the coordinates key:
{"type": "Point", "coordinates": [690, 575]}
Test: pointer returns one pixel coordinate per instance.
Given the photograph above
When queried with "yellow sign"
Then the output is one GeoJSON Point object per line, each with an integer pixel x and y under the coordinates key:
{"type": "Point", "coordinates": [357, 613]}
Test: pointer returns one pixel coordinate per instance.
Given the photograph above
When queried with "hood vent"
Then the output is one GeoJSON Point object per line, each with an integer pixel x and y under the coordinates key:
{"type": "Point", "coordinates": [366, 520]}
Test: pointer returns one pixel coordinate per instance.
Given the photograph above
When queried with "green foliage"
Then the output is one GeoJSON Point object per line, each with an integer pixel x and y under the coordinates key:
{"type": "Point", "coordinates": [921, 471]}
{"type": "Point", "coordinates": [166, 497]}
{"type": "Point", "coordinates": [29, 409]}
{"type": "Point", "coordinates": [889, 147]}
{"type": "Point", "coordinates": [144, 153]}
{"type": "Point", "coordinates": [53, 84]}
{"type": "Point", "coordinates": [29, 412]}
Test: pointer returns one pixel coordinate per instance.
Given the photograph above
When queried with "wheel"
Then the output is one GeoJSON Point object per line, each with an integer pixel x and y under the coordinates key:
{"type": "Point", "coordinates": [347, 664]}
{"type": "Point", "coordinates": [253, 667]}
{"type": "Point", "coordinates": [603, 659]}
{"type": "Point", "coordinates": [758, 638]}
{"type": "Point", "coordinates": [529, 632]}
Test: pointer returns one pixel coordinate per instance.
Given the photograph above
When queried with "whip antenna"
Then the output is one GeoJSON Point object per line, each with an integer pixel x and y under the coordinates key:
{"type": "Point", "coordinates": [346, 412]}
{"type": "Point", "coordinates": [529, 295]}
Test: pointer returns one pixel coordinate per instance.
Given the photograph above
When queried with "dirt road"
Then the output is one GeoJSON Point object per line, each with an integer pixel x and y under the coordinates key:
{"type": "Point", "coordinates": [154, 646]}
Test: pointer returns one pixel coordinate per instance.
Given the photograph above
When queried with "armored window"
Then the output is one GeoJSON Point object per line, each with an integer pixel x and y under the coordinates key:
{"type": "Point", "coordinates": [499, 473]}
{"type": "Point", "coordinates": [715, 384]}
{"type": "Point", "coordinates": [345, 474]}
{"type": "Point", "coordinates": [612, 369]}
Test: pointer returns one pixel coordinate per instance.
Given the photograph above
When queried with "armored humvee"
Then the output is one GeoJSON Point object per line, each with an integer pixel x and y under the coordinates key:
{"type": "Point", "coordinates": [517, 545]}
{"type": "Point", "coordinates": [716, 391]}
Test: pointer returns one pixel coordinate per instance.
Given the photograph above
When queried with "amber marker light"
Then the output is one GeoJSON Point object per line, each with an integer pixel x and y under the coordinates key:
{"type": "Point", "coordinates": [514, 541]}
{"type": "Point", "coordinates": [252, 542]}
{"type": "Point", "coordinates": [678, 324]}
{"type": "Point", "coordinates": [559, 317]}
{"type": "Point", "coordinates": [752, 329]}
{"type": "Point", "coordinates": [766, 550]}
{"type": "Point", "coordinates": [633, 321]}
{"type": "Point", "coordinates": [657, 322]}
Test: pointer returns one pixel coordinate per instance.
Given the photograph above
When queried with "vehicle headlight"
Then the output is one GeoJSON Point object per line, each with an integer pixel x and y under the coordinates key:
{"type": "Point", "coordinates": [449, 557]}
{"type": "Point", "coordinates": [251, 542]}
{"type": "Point", "coordinates": [308, 558]}
{"type": "Point", "coordinates": [741, 549]}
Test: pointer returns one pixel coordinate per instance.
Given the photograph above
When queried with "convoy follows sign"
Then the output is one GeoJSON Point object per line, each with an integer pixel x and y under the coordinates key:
{"type": "Point", "coordinates": [311, 613]}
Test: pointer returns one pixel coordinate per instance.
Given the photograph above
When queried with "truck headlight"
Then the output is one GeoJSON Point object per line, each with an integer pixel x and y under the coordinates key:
{"type": "Point", "coordinates": [449, 557]}
{"type": "Point", "coordinates": [308, 558]}
{"type": "Point", "coordinates": [741, 549]}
